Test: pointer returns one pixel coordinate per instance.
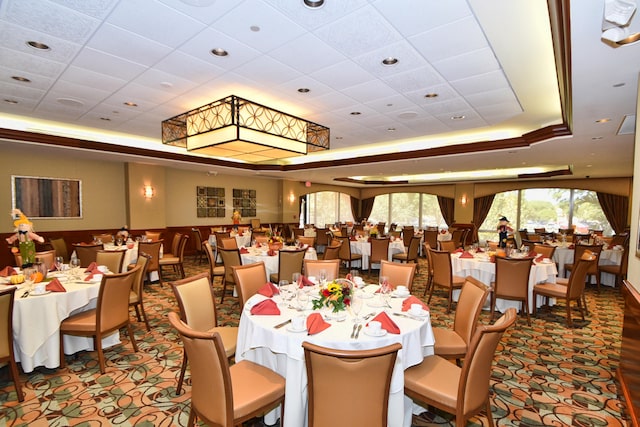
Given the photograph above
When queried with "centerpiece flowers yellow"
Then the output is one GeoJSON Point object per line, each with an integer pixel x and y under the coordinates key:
{"type": "Point", "coordinates": [335, 296]}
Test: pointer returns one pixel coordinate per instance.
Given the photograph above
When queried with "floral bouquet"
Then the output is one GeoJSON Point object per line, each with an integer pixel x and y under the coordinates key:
{"type": "Point", "coordinates": [335, 295]}
{"type": "Point", "coordinates": [373, 231]}
{"type": "Point", "coordinates": [276, 239]}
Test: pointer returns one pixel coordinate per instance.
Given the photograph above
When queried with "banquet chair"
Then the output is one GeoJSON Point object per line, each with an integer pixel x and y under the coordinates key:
{"type": "Point", "coordinates": [454, 343]}
{"type": "Point", "coordinates": [331, 267]}
{"type": "Point", "coordinates": [461, 391]}
{"type": "Point", "coordinates": [350, 372]}
{"type": "Point", "coordinates": [111, 259]}
{"type": "Point", "coordinates": [456, 237]}
{"type": "Point", "coordinates": [618, 270]}
{"type": "Point", "coordinates": [249, 279]}
{"type": "Point", "coordinates": [448, 245]}
{"type": "Point", "coordinates": [6, 337]}
{"type": "Point", "coordinates": [228, 243]}
{"type": "Point", "coordinates": [153, 250]}
{"type": "Point", "coordinates": [307, 240]}
{"type": "Point", "coordinates": [230, 258]}
{"type": "Point", "coordinates": [322, 239]}
{"type": "Point", "coordinates": [345, 253]}
{"type": "Point", "coordinates": [87, 253]}
{"type": "Point", "coordinates": [136, 296]}
{"type": "Point", "coordinates": [398, 274]}
{"type": "Point", "coordinates": [379, 251]}
{"type": "Point", "coordinates": [596, 250]}
{"type": "Point", "coordinates": [46, 257]}
{"type": "Point", "coordinates": [197, 241]}
{"type": "Point", "coordinates": [214, 269]}
{"type": "Point", "coordinates": [426, 247]}
{"type": "Point", "coordinates": [289, 262]}
{"type": "Point", "coordinates": [111, 314]}
{"type": "Point", "coordinates": [224, 395]}
{"type": "Point", "coordinates": [431, 237]}
{"type": "Point", "coordinates": [152, 236]}
{"type": "Point", "coordinates": [407, 235]}
{"type": "Point", "coordinates": [60, 246]}
{"type": "Point", "coordinates": [572, 291]}
{"type": "Point", "coordinates": [546, 251]}
{"type": "Point", "coordinates": [443, 275]}
{"type": "Point", "coordinates": [197, 305]}
{"type": "Point", "coordinates": [412, 253]}
{"type": "Point", "coordinates": [255, 224]}
{"type": "Point", "coordinates": [260, 239]}
{"type": "Point", "coordinates": [103, 238]}
{"type": "Point", "coordinates": [621, 239]}
{"type": "Point", "coordinates": [512, 283]}
{"type": "Point", "coordinates": [176, 259]}
{"type": "Point", "coordinates": [175, 246]}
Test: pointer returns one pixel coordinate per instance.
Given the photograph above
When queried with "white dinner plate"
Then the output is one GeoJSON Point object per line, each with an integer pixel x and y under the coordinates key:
{"type": "Point", "coordinates": [397, 295]}
{"type": "Point", "coordinates": [36, 294]}
{"type": "Point", "coordinates": [380, 333]}
{"type": "Point", "coordinates": [423, 313]}
{"type": "Point", "coordinates": [290, 328]}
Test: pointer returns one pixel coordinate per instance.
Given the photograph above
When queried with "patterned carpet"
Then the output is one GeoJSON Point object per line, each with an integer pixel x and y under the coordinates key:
{"type": "Point", "coordinates": [544, 375]}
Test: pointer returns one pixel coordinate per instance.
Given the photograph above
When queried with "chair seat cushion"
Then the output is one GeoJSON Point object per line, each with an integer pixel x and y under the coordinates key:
{"type": "Point", "coordinates": [448, 342]}
{"type": "Point", "coordinates": [218, 271]}
{"type": "Point", "coordinates": [562, 281]}
{"type": "Point", "coordinates": [82, 322]}
{"type": "Point", "coordinates": [436, 378]}
{"type": "Point", "coordinates": [273, 277]}
{"type": "Point", "coordinates": [458, 280]}
{"type": "Point", "coordinates": [551, 289]}
{"type": "Point", "coordinates": [229, 335]}
{"type": "Point", "coordinates": [400, 256]}
{"type": "Point", "coordinates": [169, 260]}
{"type": "Point", "coordinates": [250, 380]}
{"type": "Point", "coordinates": [133, 298]}
{"type": "Point", "coordinates": [612, 269]}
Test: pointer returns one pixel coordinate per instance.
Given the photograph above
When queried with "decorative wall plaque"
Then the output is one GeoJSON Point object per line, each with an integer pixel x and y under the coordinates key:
{"type": "Point", "coordinates": [244, 201]}
{"type": "Point", "coordinates": [210, 202]}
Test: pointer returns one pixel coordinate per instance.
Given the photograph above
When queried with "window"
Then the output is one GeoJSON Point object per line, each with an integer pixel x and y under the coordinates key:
{"type": "Point", "coordinates": [417, 209]}
{"type": "Point", "coordinates": [328, 207]}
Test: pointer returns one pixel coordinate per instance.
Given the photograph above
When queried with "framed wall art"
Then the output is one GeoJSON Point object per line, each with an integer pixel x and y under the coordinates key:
{"type": "Point", "coordinates": [49, 198]}
{"type": "Point", "coordinates": [210, 202]}
{"type": "Point", "coordinates": [244, 201]}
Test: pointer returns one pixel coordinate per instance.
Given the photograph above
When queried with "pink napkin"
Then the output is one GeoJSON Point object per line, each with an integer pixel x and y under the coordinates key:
{"type": "Point", "coordinates": [266, 307]}
{"type": "Point", "coordinates": [406, 304]}
{"type": "Point", "coordinates": [55, 286]}
{"type": "Point", "coordinates": [532, 254]}
{"type": "Point", "coordinates": [539, 258]}
{"type": "Point", "coordinates": [459, 250]}
{"type": "Point", "coordinates": [572, 247]}
{"type": "Point", "coordinates": [244, 250]}
{"type": "Point", "coordinates": [303, 281]}
{"type": "Point", "coordinates": [479, 250]}
{"type": "Point", "coordinates": [92, 268]}
{"type": "Point", "coordinates": [387, 323]}
{"type": "Point", "coordinates": [268, 290]}
{"type": "Point", "coordinates": [315, 324]}
{"type": "Point", "coordinates": [271, 252]}
{"type": "Point", "coordinates": [8, 271]}
{"type": "Point", "coordinates": [466, 254]}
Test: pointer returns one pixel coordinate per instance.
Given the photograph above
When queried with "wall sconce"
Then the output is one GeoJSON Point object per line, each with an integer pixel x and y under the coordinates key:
{"type": "Point", "coordinates": [292, 198]}
{"type": "Point", "coordinates": [148, 192]}
{"type": "Point", "coordinates": [463, 200]}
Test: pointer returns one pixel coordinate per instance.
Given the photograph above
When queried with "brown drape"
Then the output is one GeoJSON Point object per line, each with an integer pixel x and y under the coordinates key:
{"type": "Point", "coordinates": [354, 209]}
{"type": "Point", "coordinates": [616, 210]}
{"type": "Point", "coordinates": [447, 207]}
{"type": "Point", "coordinates": [366, 207]}
{"type": "Point", "coordinates": [481, 208]}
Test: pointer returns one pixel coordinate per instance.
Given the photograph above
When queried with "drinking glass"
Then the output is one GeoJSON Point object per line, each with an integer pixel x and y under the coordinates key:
{"type": "Point", "coordinates": [58, 262]}
{"type": "Point", "coordinates": [322, 276]}
{"type": "Point", "coordinates": [74, 262]}
{"type": "Point", "coordinates": [385, 290]}
{"type": "Point", "coordinates": [303, 300]}
{"type": "Point", "coordinates": [282, 289]}
{"type": "Point", "coordinates": [356, 305]}
{"type": "Point", "coordinates": [295, 279]}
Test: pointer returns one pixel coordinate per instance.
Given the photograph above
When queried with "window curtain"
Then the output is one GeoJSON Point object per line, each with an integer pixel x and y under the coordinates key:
{"type": "Point", "coordinates": [355, 203]}
{"type": "Point", "coordinates": [616, 210]}
{"type": "Point", "coordinates": [367, 206]}
{"type": "Point", "coordinates": [447, 207]}
{"type": "Point", "coordinates": [481, 208]}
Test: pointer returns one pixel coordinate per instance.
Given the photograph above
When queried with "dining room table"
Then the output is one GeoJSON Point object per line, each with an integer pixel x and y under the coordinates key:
{"type": "Point", "coordinates": [37, 318]}
{"type": "Point", "coordinates": [260, 340]}
{"type": "Point", "coordinates": [243, 238]}
{"type": "Point", "coordinates": [610, 255]}
{"type": "Point", "coordinates": [481, 267]}
{"type": "Point", "coordinates": [253, 254]}
{"type": "Point", "coordinates": [362, 246]}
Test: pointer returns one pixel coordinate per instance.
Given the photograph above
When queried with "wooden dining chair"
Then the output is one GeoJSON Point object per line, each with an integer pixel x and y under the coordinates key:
{"type": "Point", "coordinates": [60, 246]}
{"type": "Point", "coordinates": [176, 259]}
{"type": "Point", "coordinates": [379, 251]}
{"type": "Point", "coordinates": [512, 283]}
{"type": "Point", "coordinates": [331, 267]}
{"type": "Point", "coordinates": [407, 235]}
{"type": "Point", "coordinates": [197, 242]}
{"type": "Point", "coordinates": [580, 250]}
{"type": "Point", "coordinates": [215, 270]}
{"type": "Point", "coordinates": [350, 372]}
{"type": "Point", "coordinates": [249, 279]}
{"type": "Point", "coordinates": [461, 391]}
{"type": "Point", "coordinates": [345, 253]}
{"type": "Point", "coordinates": [103, 238]}
{"type": "Point", "coordinates": [136, 296]}
{"type": "Point", "coordinates": [546, 251]}
{"type": "Point", "coordinates": [618, 270]}
{"type": "Point", "coordinates": [310, 241]}
{"type": "Point", "coordinates": [224, 395]}
{"type": "Point", "coordinates": [398, 274]}
{"type": "Point", "coordinates": [447, 245]}
{"type": "Point", "coordinates": [289, 262]}
{"type": "Point", "coordinates": [6, 337]}
{"type": "Point", "coordinates": [111, 259]}
{"type": "Point", "coordinates": [412, 252]}
{"type": "Point", "coordinates": [111, 314]}
{"type": "Point", "coordinates": [431, 237]}
{"type": "Point", "coordinates": [332, 252]}
{"type": "Point", "coordinates": [153, 236]}
{"type": "Point", "coordinates": [443, 275]}
{"type": "Point", "coordinates": [230, 258]}
{"type": "Point", "coordinates": [86, 253]}
{"type": "Point", "coordinates": [152, 249]}
{"type": "Point", "coordinates": [197, 305]}
{"type": "Point", "coordinates": [228, 243]}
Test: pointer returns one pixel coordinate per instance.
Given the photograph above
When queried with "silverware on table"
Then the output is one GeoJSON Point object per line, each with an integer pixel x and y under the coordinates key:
{"type": "Point", "coordinates": [408, 316]}
{"type": "Point", "coordinates": [358, 331]}
{"type": "Point", "coordinates": [26, 294]}
{"type": "Point", "coordinates": [368, 316]}
{"type": "Point", "coordinates": [353, 332]}
{"type": "Point", "coordinates": [280, 325]}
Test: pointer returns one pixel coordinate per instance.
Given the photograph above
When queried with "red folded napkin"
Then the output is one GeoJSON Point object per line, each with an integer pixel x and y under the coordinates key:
{"type": "Point", "coordinates": [353, 239]}
{"type": "Point", "coordinates": [55, 286]}
{"type": "Point", "coordinates": [572, 247]}
{"type": "Point", "coordinates": [303, 281]}
{"type": "Point", "coordinates": [92, 268]}
{"type": "Point", "coordinates": [268, 290]}
{"type": "Point", "coordinates": [466, 254]}
{"type": "Point", "coordinates": [8, 271]}
{"type": "Point", "coordinates": [406, 304]}
{"type": "Point", "coordinates": [457, 251]}
{"type": "Point", "coordinates": [315, 324]}
{"type": "Point", "coordinates": [272, 252]}
{"type": "Point", "coordinates": [244, 250]}
{"type": "Point", "coordinates": [540, 258]}
{"type": "Point", "coordinates": [266, 307]}
{"type": "Point", "coordinates": [443, 231]}
{"type": "Point", "coordinates": [386, 322]}
{"type": "Point", "coordinates": [479, 250]}
{"type": "Point", "coordinates": [532, 254]}
{"type": "Point", "coordinates": [241, 234]}
{"type": "Point", "coordinates": [492, 258]}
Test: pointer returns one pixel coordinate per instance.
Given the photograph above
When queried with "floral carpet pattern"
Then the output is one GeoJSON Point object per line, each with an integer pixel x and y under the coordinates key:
{"type": "Point", "coordinates": [544, 374]}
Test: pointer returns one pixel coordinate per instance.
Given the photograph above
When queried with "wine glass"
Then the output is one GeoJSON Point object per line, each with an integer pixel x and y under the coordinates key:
{"type": "Point", "coordinates": [282, 289]}
{"type": "Point", "coordinates": [58, 262]}
{"type": "Point", "coordinates": [322, 276]}
{"type": "Point", "coordinates": [356, 305]}
{"type": "Point", "coordinates": [295, 279]}
{"type": "Point", "coordinates": [303, 300]}
{"type": "Point", "coordinates": [385, 289]}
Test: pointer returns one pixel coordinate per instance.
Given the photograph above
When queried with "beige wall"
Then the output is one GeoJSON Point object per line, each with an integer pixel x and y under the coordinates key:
{"type": "Point", "coordinates": [633, 273]}
{"type": "Point", "coordinates": [103, 184]}
{"type": "Point", "coordinates": [146, 213]}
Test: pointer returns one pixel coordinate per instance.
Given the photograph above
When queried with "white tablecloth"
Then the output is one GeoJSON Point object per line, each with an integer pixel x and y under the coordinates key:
{"type": "Point", "coordinates": [563, 255]}
{"type": "Point", "coordinates": [270, 262]}
{"type": "Point", "coordinates": [363, 247]}
{"type": "Point", "coordinates": [36, 325]}
{"type": "Point", "coordinates": [281, 351]}
{"type": "Point", "coordinates": [485, 272]}
{"type": "Point", "coordinates": [243, 240]}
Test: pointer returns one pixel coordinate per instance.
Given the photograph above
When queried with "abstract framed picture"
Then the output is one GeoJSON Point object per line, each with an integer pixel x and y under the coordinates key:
{"type": "Point", "coordinates": [49, 198]}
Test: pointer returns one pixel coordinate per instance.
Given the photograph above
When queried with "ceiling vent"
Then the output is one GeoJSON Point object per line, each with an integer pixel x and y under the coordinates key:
{"type": "Point", "coordinates": [628, 125]}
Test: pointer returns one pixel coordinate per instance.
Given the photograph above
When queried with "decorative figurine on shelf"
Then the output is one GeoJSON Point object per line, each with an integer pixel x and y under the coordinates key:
{"type": "Point", "coordinates": [236, 218]}
{"type": "Point", "coordinates": [123, 233]}
{"type": "Point", "coordinates": [504, 228]}
{"type": "Point", "coordinates": [25, 237]}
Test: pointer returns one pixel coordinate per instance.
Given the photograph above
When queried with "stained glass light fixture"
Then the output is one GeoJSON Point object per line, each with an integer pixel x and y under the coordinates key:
{"type": "Point", "coordinates": [239, 129]}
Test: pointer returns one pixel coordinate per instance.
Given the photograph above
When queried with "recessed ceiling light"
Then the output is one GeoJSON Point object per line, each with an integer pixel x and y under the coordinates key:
{"type": "Point", "coordinates": [254, 28]}
{"type": "Point", "coordinates": [21, 79]}
{"type": "Point", "coordinates": [70, 102]}
{"type": "Point", "coordinates": [10, 101]}
{"type": "Point", "coordinates": [391, 129]}
{"type": "Point", "coordinates": [355, 113]}
{"type": "Point", "coordinates": [218, 51]}
{"type": "Point", "coordinates": [338, 137]}
{"type": "Point", "coordinates": [38, 45]}
{"type": "Point", "coordinates": [431, 95]}
{"type": "Point", "coordinates": [389, 105]}
{"type": "Point", "coordinates": [461, 117]}
{"type": "Point", "coordinates": [603, 120]}
{"type": "Point", "coordinates": [106, 119]}
{"type": "Point", "coordinates": [166, 84]}
{"type": "Point", "coordinates": [313, 4]}
{"type": "Point", "coordinates": [390, 61]}
{"type": "Point", "coordinates": [619, 84]}
{"type": "Point", "coordinates": [304, 90]}
{"type": "Point", "coordinates": [595, 138]}
{"type": "Point", "coordinates": [130, 104]}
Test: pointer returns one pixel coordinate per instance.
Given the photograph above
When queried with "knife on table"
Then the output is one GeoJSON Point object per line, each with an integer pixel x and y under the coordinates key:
{"type": "Point", "coordinates": [280, 325]}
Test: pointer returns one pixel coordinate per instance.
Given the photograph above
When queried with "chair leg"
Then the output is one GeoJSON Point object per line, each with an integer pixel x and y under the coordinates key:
{"type": "Point", "coordinates": [16, 379]}
{"type": "Point", "coordinates": [62, 359]}
{"type": "Point", "coordinates": [450, 300]}
{"type": "Point", "coordinates": [489, 413]}
{"type": "Point", "coordinates": [525, 308]}
{"type": "Point", "coordinates": [493, 304]}
{"type": "Point", "coordinates": [98, 345]}
{"type": "Point", "coordinates": [569, 319]}
{"type": "Point", "coordinates": [224, 288]}
{"type": "Point", "coordinates": [183, 370]}
{"type": "Point", "coordinates": [137, 310]}
{"type": "Point", "coordinates": [192, 417]}
{"type": "Point", "coordinates": [430, 293]}
{"type": "Point", "coordinates": [131, 337]}
{"type": "Point", "coordinates": [144, 316]}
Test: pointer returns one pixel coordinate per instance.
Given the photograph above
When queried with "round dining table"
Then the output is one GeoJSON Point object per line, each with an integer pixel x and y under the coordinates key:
{"type": "Point", "coordinates": [253, 254]}
{"type": "Point", "coordinates": [564, 255]}
{"type": "Point", "coordinates": [280, 349]}
{"type": "Point", "coordinates": [363, 247]}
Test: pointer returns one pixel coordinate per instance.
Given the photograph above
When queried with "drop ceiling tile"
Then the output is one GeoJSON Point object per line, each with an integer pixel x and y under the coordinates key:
{"type": "Point", "coordinates": [88, 94]}
{"type": "Point", "coordinates": [267, 71]}
{"type": "Point", "coordinates": [10, 90]}
{"type": "Point", "coordinates": [408, 60]}
{"type": "Point", "coordinates": [480, 83]}
{"type": "Point", "coordinates": [37, 66]}
{"type": "Point", "coordinates": [411, 17]}
{"type": "Point", "coordinates": [164, 82]}
{"type": "Point", "coordinates": [104, 63]}
{"type": "Point", "coordinates": [307, 54]}
{"type": "Point", "coordinates": [91, 79]}
{"type": "Point", "coordinates": [60, 111]}
{"type": "Point", "coordinates": [95, 8]}
{"type": "Point", "coordinates": [189, 67]}
{"type": "Point", "coordinates": [330, 102]}
{"type": "Point", "coordinates": [206, 13]}
{"type": "Point", "coordinates": [422, 78]}
{"type": "Point", "coordinates": [498, 112]}
{"type": "Point", "coordinates": [369, 91]}
{"type": "Point", "coordinates": [65, 96]}
{"type": "Point", "coordinates": [444, 92]}
{"type": "Point", "coordinates": [477, 62]}
{"type": "Point", "coordinates": [167, 27]}
{"type": "Point", "coordinates": [498, 96]}
{"type": "Point", "coordinates": [37, 82]}
{"type": "Point", "coordinates": [128, 46]}
{"type": "Point", "coordinates": [50, 18]}
{"type": "Point", "coordinates": [391, 104]}
{"type": "Point", "coordinates": [16, 37]}
{"type": "Point", "coordinates": [317, 88]}
{"type": "Point", "coordinates": [452, 107]}
{"type": "Point", "coordinates": [23, 105]}
{"type": "Point", "coordinates": [342, 74]}
{"type": "Point", "coordinates": [201, 44]}
{"type": "Point", "coordinates": [313, 18]}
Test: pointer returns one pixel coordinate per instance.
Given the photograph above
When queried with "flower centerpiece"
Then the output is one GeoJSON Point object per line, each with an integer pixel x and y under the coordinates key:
{"type": "Point", "coordinates": [275, 242]}
{"type": "Point", "coordinates": [373, 231]}
{"type": "Point", "coordinates": [336, 296]}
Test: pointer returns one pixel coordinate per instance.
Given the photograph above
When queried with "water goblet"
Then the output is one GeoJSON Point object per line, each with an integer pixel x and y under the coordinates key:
{"type": "Point", "coordinates": [303, 300]}
{"type": "Point", "coordinates": [356, 305]}
{"type": "Point", "coordinates": [58, 262]}
{"type": "Point", "coordinates": [385, 290]}
{"type": "Point", "coordinates": [295, 279]}
{"type": "Point", "coordinates": [322, 276]}
{"type": "Point", "coordinates": [282, 289]}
